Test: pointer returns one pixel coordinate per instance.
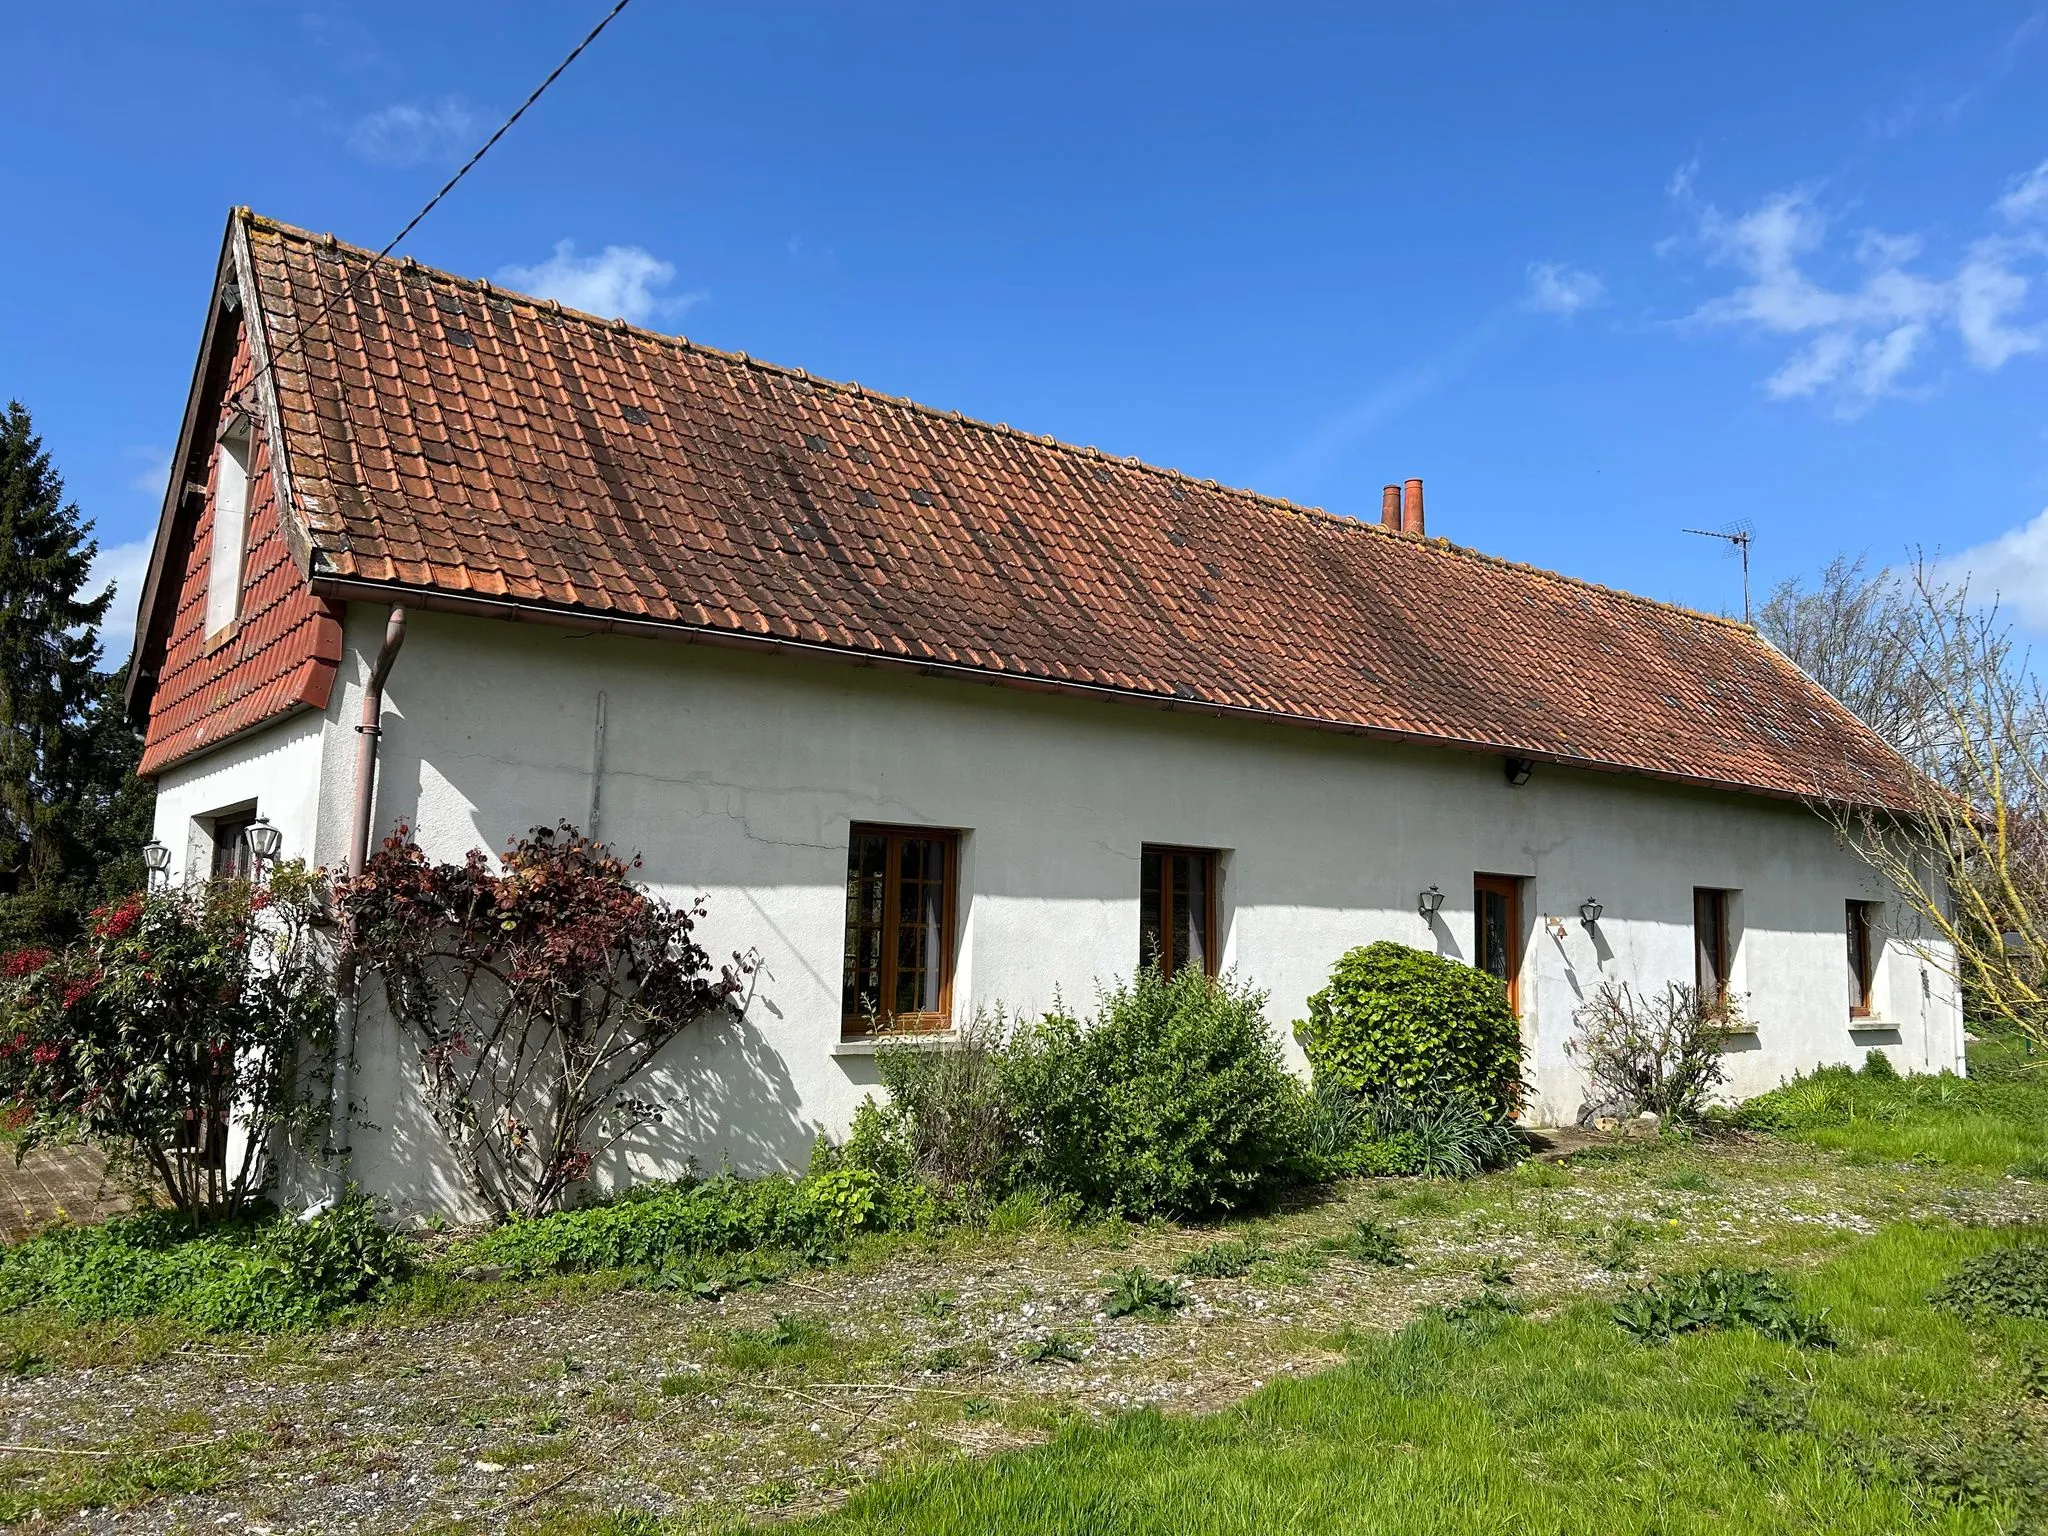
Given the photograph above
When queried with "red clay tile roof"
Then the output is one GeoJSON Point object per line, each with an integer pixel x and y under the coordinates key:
{"type": "Point", "coordinates": [450, 443]}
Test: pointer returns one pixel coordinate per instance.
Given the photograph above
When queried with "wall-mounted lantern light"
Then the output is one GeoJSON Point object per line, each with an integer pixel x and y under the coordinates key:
{"type": "Point", "coordinates": [264, 841]}
{"type": "Point", "coordinates": [156, 862]}
{"type": "Point", "coordinates": [1427, 903]}
{"type": "Point", "coordinates": [1589, 911]}
{"type": "Point", "coordinates": [1518, 770]}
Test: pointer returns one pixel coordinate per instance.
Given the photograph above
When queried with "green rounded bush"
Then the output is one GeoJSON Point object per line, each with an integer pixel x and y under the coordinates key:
{"type": "Point", "coordinates": [1172, 1099]}
{"type": "Point", "coordinates": [1396, 1022]}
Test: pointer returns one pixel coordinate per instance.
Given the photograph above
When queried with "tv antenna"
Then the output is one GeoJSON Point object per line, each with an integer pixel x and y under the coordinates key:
{"type": "Point", "coordinates": [1738, 535]}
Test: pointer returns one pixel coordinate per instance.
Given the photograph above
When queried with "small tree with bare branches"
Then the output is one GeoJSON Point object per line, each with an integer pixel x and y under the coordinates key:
{"type": "Point", "coordinates": [535, 994]}
{"type": "Point", "coordinates": [1968, 853]}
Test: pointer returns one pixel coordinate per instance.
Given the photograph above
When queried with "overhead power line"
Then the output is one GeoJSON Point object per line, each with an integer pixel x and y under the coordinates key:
{"type": "Point", "coordinates": [348, 288]}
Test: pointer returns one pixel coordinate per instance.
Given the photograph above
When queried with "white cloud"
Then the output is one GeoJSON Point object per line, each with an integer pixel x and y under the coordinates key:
{"type": "Point", "coordinates": [2012, 570]}
{"type": "Point", "coordinates": [2026, 197]}
{"type": "Point", "coordinates": [154, 475]}
{"type": "Point", "coordinates": [1859, 335]}
{"type": "Point", "coordinates": [1556, 289]}
{"type": "Point", "coordinates": [125, 565]}
{"type": "Point", "coordinates": [407, 133]}
{"type": "Point", "coordinates": [622, 280]}
{"type": "Point", "coordinates": [1987, 291]}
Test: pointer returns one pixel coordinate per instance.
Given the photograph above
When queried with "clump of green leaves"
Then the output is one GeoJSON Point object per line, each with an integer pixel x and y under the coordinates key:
{"type": "Point", "coordinates": [656, 1229]}
{"type": "Point", "coordinates": [1373, 1242]}
{"type": "Point", "coordinates": [1051, 1347]}
{"type": "Point", "coordinates": [1719, 1299]}
{"type": "Point", "coordinates": [2006, 1282]}
{"type": "Point", "coordinates": [1480, 1312]}
{"type": "Point", "coordinates": [1224, 1260]}
{"type": "Point", "coordinates": [254, 1274]}
{"type": "Point", "coordinates": [1143, 1296]}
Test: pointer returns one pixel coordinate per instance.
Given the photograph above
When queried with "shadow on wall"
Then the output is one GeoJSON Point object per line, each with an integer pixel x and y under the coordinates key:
{"type": "Point", "coordinates": [726, 1097]}
{"type": "Point", "coordinates": [398, 1152]}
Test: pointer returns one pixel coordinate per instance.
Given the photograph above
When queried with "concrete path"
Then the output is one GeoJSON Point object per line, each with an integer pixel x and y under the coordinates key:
{"type": "Point", "coordinates": [55, 1184]}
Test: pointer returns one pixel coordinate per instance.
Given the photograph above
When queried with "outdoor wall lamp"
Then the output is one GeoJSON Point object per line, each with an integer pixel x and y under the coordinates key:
{"type": "Point", "coordinates": [1589, 911]}
{"type": "Point", "coordinates": [264, 841]}
{"type": "Point", "coordinates": [156, 860]}
{"type": "Point", "coordinates": [1427, 903]}
{"type": "Point", "coordinates": [1518, 770]}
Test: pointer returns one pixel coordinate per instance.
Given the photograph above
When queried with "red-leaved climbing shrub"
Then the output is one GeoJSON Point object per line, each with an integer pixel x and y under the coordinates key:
{"type": "Point", "coordinates": [534, 994]}
{"type": "Point", "coordinates": [181, 1035]}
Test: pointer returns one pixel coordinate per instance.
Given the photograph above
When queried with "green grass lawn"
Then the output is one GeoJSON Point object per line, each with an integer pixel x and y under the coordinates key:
{"type": "Point", "coordinates": [1994, 1121]}
{"type": "Point", "coordinates": [1564, 1425]}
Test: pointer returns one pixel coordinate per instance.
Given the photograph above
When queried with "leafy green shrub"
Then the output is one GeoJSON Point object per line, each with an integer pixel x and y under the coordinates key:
{"type": "Point", "coordinates": [343, 1253]}
{"type": "Point", "coordinates": [2006, 1282]}
{"type": "Point", "coordinates": [248, 1275]}
{"type": "Point", "coordinates": [659, 1226]}
{"type": "Point", "coordinates": [181, 1011]}
{"type": "Point", "coordinates": [1172, 1099]}
{"type": "Point", "coordinates": [1717, 1299]}
{"type": "Point", "coordinates": [1396, 1022]}
{"type": "Point", "coordinates": [1225, 1260]}
{"type": "Point", "coordinates": [1446, 1138]}
{"type": "Point", "coordinates": [1141, 1295]}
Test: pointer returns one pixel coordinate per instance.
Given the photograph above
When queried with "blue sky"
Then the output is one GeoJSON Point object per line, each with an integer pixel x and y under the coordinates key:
{"type": "Point", "coordinates": [1597, 273]}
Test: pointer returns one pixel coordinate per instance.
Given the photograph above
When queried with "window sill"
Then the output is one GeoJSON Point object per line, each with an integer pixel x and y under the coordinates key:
{"type": "Point", "coordinates": [868, 1045]}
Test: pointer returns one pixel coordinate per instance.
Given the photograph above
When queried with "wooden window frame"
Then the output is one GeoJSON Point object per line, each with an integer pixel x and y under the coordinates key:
{"type": "Point", "coordinates": [228, 567]}
{"type": "Point", "coordinates": [1509, 887]}
{"type": "Point", "coordinates": [1862, 935]}
{"type": "Point", "coordinates": [1167, 852]}
{"type": "Point", "coordinates": [858, 1027]}
{"type": "Point", "coordinates": [1721, 953]}
{"type": "Point", "coordinates": [233, 827]}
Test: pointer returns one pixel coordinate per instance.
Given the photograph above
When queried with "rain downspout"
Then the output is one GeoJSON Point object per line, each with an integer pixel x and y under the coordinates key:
{"type": "Point", "coordinates": [346, 971]}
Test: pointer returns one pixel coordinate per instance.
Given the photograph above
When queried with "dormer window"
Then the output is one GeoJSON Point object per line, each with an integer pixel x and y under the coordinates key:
{"type": "Point", "coordinates": [230, 528]}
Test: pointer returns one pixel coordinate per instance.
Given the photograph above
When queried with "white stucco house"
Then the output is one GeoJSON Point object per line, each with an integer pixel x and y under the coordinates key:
{"type": "Point", "coordinates": [941, 714]}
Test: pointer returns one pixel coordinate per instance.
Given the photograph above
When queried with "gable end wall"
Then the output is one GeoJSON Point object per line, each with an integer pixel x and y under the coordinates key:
{"type": "Point", "coordinates": [279, 656]}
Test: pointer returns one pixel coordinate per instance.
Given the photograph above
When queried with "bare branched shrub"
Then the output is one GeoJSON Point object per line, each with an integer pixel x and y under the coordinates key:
{"type": "Point", "coordinates": [947, 1103]}
{"type": "Point", "coordinates": [535, 995]}
{"type": "Point", "coordinates": [1661, 1054]}
{"type": "Point", "coordinates": [1875, 641]}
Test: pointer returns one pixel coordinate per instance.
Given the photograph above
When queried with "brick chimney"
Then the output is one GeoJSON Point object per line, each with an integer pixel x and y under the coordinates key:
{"type": "Point", "coordinates": [1411, 508]}
{"type": "Point", "coordinates": [1390, 508]}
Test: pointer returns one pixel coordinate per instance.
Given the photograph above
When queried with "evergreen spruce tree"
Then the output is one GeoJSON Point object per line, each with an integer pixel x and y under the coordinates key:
{"type": "Point", "coordinates": [66, 755]}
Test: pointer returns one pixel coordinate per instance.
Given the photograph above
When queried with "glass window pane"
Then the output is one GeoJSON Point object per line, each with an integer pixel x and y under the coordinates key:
{"type": "Point", "coordinates": [1492, 913]}
{"type": "Point", "coordinates": [1710, 931]}
{"type": "Point", "coordinates": [1191, 911]}
{"type": "Point", "coordinates": [920, 919]}
{"type": "Point", "coordinates": [866, 864]}
{"type": "Point", "coordinates": [1149, 879]}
